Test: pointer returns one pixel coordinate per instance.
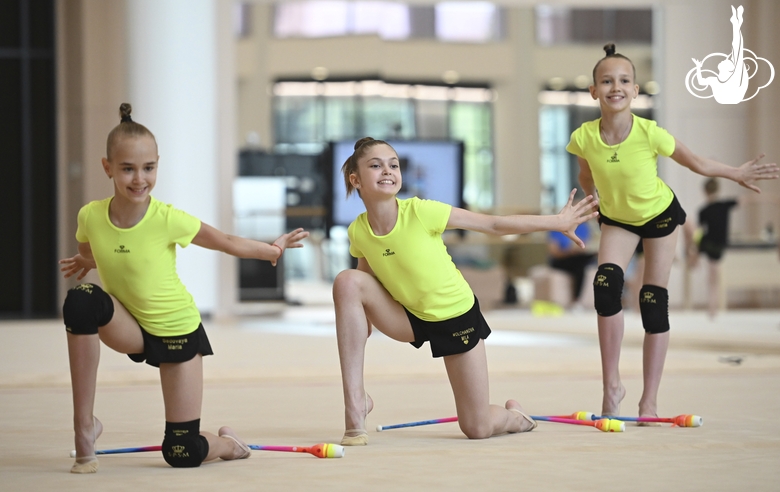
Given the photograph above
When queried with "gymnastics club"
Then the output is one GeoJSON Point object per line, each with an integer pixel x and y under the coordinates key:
{"type": "Point", "coordinates": [322, 450]}
{"type": "Point", "coordinates": [604, 425]}
{"type": "Point", "coordinates": [685, 420]}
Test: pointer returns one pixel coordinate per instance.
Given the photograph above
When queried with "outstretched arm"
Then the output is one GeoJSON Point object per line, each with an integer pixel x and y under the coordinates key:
{"type": "Point", "coordinates": [566, 221]}
{"type": "Point", "coordinates": [82, 263]}
{"type": "Point", "coordinates": [746, 174]}
{"type": "Point", "coordinates": [241, 247]}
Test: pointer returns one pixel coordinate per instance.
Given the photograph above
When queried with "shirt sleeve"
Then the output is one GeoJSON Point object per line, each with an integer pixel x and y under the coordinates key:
{"type": "Point", "coordinates": [574, 146]}
{"type": "Point", "coordinates": [182, 227]}
{"type": "Point", "coordinates": [661, 140]}
{"type": "Point", "coordinates": [353, 250]}
{"type": "Point", "coordinates": [434, 215]}
{"type": "Point", "coordinates": [81, 230]}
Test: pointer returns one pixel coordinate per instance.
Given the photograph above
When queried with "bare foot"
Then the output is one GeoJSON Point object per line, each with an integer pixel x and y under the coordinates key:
{"type": "Point", "coordinates": [648, 409]}
{"type": "Point", "coordinates": [647, 412]}
{"type": "Point", "coordinates": [524, 422]}
{"type": "Point", "coordinates": [610, 404]}
{"type": "Point", "coordinates": [356, 434]}
{"type": "Point", "coordinates": [85, 439]}
{"type": "Point", "coordinates": [358, 422]}
{"type": "Point", "coordinates": [240, 448]}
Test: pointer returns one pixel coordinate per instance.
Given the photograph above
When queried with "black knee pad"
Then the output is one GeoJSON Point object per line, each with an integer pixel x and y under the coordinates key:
{"type": "Point", "coordinates": [87, 307]}
{"type": "Point", "coordinates": [183, 446]}
{"type": "Point", "coordinates": [654, 306]}
{"type": "Point", "coordinates": [608, 289]}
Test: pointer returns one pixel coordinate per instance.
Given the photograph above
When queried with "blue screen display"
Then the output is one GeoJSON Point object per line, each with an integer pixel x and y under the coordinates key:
{"type": "Point", "coordinates": [430, 170]}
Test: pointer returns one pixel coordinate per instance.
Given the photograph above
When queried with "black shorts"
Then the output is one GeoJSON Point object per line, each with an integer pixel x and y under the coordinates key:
{"type": "Point", "coordinates": [713, 251]}
{"type": "Point", "coordinates": [451, 336]}
{"type": "Point", "coordinates": [179, 348]}
{"type": "Point", "coordinates": [661, 225]}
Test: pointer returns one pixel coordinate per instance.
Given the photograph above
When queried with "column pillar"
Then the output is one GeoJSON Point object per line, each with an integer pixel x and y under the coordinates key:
{"type": "Point", "coordinates": [172, 81]}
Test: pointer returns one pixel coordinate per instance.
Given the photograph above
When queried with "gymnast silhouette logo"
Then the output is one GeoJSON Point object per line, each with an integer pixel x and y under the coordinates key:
{"type": "Point", "coordinates": [730, 84]}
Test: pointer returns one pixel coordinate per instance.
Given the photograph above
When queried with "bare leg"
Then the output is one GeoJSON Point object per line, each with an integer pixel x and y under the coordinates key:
{"type": "Point", "coordinates": [610, 339]}
{"type": "Point", "coordinates": [84, 354]}
{"type": "Point", "coordinates": [358, 298]}
{"type": "Point", "coordinates": [617, 246]}
{"type": "Point", "coordinates": [659, 255]}
{"type": "Point", "coordinates": [713, 301]}
{"type": "Point", "coordinates": [182, 386]}
{"type": "Point", "coordinates": [478, 419]}
{"type": "Point", "coordinates": [123, 335]}
{"type": "Point", "coordinates": [653, 357]}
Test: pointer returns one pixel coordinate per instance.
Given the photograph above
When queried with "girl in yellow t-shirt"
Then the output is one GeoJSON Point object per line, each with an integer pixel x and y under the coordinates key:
{"type": "Point", "coordinates": [617, 154]}
{"type": "Point", "coordinates": [407, 286]}
{"type": "Point", "coordinates": [145, 311]}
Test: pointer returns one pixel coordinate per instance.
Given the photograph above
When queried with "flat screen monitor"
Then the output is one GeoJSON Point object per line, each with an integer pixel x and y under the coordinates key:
{"type": "Point", "coordinates": [430, 170]}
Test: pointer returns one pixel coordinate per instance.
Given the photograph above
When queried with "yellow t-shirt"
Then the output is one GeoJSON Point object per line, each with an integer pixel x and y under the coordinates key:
{"type": "Point", "coordinates": [412, 262]}
{"type": "Point", "coordinates": [626, 175]}
{"type": "Point", "coordinates": [138, 265]}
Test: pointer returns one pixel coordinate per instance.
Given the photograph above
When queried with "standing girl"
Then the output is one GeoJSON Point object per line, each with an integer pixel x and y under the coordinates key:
{"type": "Point", "coordinates": [407, 286]}
{"type": "Point", "coordinates": [617, 154]}
{"type": "Point", "coordinates": [145, 311]}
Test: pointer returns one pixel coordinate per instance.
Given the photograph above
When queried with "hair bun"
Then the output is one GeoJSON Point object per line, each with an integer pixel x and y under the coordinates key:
{"type": "Point", "coordinates": [609, 49]}
{"type": "Point", "coordinates": [124, 112]}
{"type": "Point", "coordinates": [362, 141]}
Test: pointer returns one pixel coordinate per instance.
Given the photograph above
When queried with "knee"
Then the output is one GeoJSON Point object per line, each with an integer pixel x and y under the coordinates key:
{"type": "Point", "coordinates": [183, 446]}
{"type": "Point", "coordinates": [654, 308]}
{"type": "Point", "coordinates": [347, 284]}
{"type": "Point", "coordinates": [608, 289]}
{"type": "Point", "coordinates": [86, 308]}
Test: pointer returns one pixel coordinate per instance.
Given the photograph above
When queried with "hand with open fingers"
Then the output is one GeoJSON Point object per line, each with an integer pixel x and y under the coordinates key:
{"type": "Point", "coordinates": [573, 215]}
{"type": "Point", "coordinates": [752, 171]}
{"type": "Point", "coordinates": [76, 264]}
{"type": "Point", "coordinates": [290, 240]}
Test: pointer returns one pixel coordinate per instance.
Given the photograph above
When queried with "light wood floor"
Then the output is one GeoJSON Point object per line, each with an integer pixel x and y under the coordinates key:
{"type": "Point", "coordinates": [275, 379]}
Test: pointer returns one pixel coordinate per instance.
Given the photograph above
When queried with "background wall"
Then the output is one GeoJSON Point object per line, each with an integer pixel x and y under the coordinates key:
{"type": "Point", "coordinates": [93, 66]}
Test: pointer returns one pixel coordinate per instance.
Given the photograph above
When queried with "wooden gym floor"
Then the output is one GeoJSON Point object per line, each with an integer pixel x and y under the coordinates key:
{"type": "Point", "coordinates": [275, 379]}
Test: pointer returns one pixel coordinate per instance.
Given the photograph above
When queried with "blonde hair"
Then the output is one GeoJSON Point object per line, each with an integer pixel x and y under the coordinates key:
{"type": "Point", "coordinates": [351, 164]}
{"type": "Point", "coordinates": [126, 128]}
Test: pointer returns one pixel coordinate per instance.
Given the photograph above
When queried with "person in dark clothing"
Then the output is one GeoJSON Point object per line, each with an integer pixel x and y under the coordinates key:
{"type": "Point", "coordinates": [714, 223]}
{"type": "Point", "coordinates": [565, 257]}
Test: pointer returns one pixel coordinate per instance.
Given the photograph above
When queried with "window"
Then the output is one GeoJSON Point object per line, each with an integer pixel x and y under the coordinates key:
{"type": "Point", "coordinates": [323, 18]}
{"type": "Point", "coordinates": [307, 115]}
{"type": "Point", "coordinates": [28, 139]}
{"type": "Point", "coordinates": [563, 25]}
{"type": "Point", "coordinates": [467, 21]}
{"type": "Point", "coordinates": [478, 22]}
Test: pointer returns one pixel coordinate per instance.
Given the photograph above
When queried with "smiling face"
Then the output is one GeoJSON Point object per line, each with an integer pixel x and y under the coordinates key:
{"type": "Point", "coordinates": [133, 167]}
{"type": "Point", "coordinates": [378, 172]}
{"type": "Point", "coordinates": [614, 84]}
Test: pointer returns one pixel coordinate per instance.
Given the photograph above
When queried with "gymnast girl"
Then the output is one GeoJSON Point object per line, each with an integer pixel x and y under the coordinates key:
{"type": "Point", "coordinates": [407, 286]}
{"type": "Point", "coordinates": [142, 308]}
